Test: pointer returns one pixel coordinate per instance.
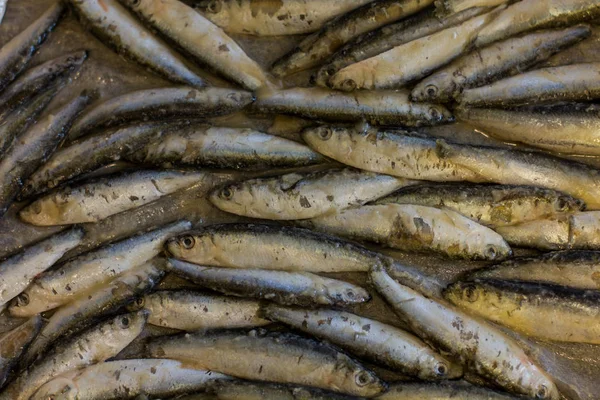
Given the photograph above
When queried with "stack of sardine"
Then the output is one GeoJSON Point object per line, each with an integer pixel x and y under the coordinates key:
{"type": "Point", "coordinates": [217, 260]}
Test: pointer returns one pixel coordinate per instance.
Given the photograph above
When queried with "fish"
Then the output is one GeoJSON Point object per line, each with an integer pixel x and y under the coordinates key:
{"type": "Point", "coordinates": [577, 82]}
{"type": "Point", "coordinates": [115, 25]}
{"type": "Point", "coordinates": [415, 228]}
{"type": "Point", "coordinates": [100, 198]}
{"type": "Point", "coordinates": [413, 60]}
{"type": "Point", "coordinates": [383, 107]}
{"type": "Point", "coordinates": [88, 308]}
{"type": "Point", "coordinates": [159, 104]}
{"type": "Point", "coordinates": [25, 155]}
{"type": "Point", "coordinates": [451, 390]}
{"type": "Point", "coordinates": [549, 312]}
{"type": "Point", "coordinates": [477, 344]}
{"type": "Point", "coordinates": [101, 342]}
{"type": "Point", "coordinates": [526, 15]}
{"type": "Point", "coordinates": [578, 269]}
{"type": "Point", "coordinates": [380, 343]}
{"type": "Point", "coordinates": [194, 311]}
{"type": "Point", "coordinates": [317, 47]}
{"type": "Point", "coordinates": [300, 196]}
{"type": "Point", "coordinates": [14, 342]}
{"type": "Point", "coordinates": [288, 288]}
{"type": "Point", "coordinates": [18, 271]}
{"type": "Point", "coordinates": [271, 357]}
{"type": "Point", "coordinates": [151, 377]}
{"type": "Point", "coordinates": [489, 205]}
{"type": "Point", "coordinates": [445, 8]}
{"type": "Point", "coordinates": [274, 248]}
{"type": "Point", "coordinates": [81, 274]}
{"type": "Point", "coordinates": [370, 44]}
{"type": "Point", "coordinates": [16, 54]}
{"type": "Point", "coordinates": [200, 38]}
{"type": "Point", "coordinates": [90, 153]}
{"type": "Point", "coordinates": [222, 147]}
{"type": "Point", "coordinates": [286, 17]}
{"type": "Point", "coordinates": [498, 60]}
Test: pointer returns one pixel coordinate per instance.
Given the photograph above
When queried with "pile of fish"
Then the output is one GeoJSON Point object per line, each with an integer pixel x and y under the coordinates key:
{"type": "Point", "coordinates": [140, 292]}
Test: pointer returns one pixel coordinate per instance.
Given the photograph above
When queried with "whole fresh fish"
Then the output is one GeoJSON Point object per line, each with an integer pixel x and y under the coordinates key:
{"type": "Point", "coordinates": [158, 104]}
{"type": "Point", "coordinates": [18, 271]}
{"type": "Point", "coordinates": [194, 311]}
{"type": "Point", "coordinates": [489, 205]}
{"type": "Point", "coordinates": [100, 198]}
{"type": "Point", "coordinates": [415, 228]}
{"type": "Point", "coordinates": [88, 308]}
{"type": "Point", "coordinates": [413, 60]}
{"type": "Point", "coordinates": [201, 38]}
{"type": "Point", "coordinates": [383, 107]}
{"type": "Point", "coordinates": [451, 7]}
{"type": "Point", "coordinates": [386, 38]}
{"type": "Point", "coordinates": [90, 153]}
{"type": "Point", "coordinates": [545, 311]}
{"type": "Point", "coordinates": [15, 54]}
{"type": "Point", "coordinates": [500, 59]}
{"type": "Point", "coordinates": [26, 154]}
{"type": "Point", "coordinates": [81, 274]}
{"type": "Point", "coordinates": [126, 379]}
{"type": "Point", "coordinates": [567, 131]}
{"type": "Point", "coordinates": [115, 25]}
{"type": "Point", "coordinates": [442, 391]}
{"type": "Point", "coordinates": [578, 269]}
{"type": "Point", "coordinates": [484, 348]}
{"type": "Point", "coordinates": [273, 247]}
{"type": "Point", "coordinates": [285, 17]}
{"type": "Point", "coordinates": [300, 196]}
{"type": "Point", "coordinates": [221, 147]}
{"type": "Point", "coordinates": [380, 343]}
{"type": "Point", "coordinates": [553, 84]}
{"type": "Point", "coordinates": [288, 288]}
{"type": "Point", "coordinates": [272, 357]}
{"type": "Point", "coordinates": [14, 342]}
{"type": "Point", "coordinates": [95, 345]}
{"type": "Point", "coordinates": [527, 15]}
{"type": "Point", "coordinates": [317, 47]}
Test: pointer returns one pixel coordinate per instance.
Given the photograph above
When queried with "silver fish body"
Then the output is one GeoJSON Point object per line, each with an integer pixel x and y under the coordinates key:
{"type": "Point", "coordinates": [450, 390]}
{"type": "Point", "coordinates": [14, 342]}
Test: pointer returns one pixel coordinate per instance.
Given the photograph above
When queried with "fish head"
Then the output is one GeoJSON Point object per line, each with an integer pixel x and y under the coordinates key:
{"type": "Point", "coordinates": [234, 198]}
{"type": "Point", "coordinates": [496, 249]}
{"type": "Point", "coordinates": [329, 140]}
{"type": "Point", "coordinates": [32, 301]}
{"type": "Point", "coordinates": [465, 294]}
{"type": "Point", "coordinates": [366, 382]}
{"type": "Point", "coordinates": [564, 203]}
{"type": "Point", "coordinates": [341, 293]}
{"type": "Point", "coordinates": [133, 4]}
{"type": "Point", "coordinates": [435, 89]}
{"type": "Point", "coordinates": [209, 6]}
{"type": "Point", "coordinates": [46, 211]}
{"type": "Point", "coordinates": [435, 114]}
{"type": "Point", "coordinates": [60, 388]}
{"type": "Point", "coordinates": [434, 366]}
{"type": "Point", "coordinates": [122, 329]}
{"type": "Point", "coordinates": [193, 247]}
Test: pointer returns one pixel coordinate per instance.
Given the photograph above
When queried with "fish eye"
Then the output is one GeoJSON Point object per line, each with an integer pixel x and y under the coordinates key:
{"type": "Point", "coordinates": [470, 293]}
{"type": "Point", "coordinates": [213, 7]}
{"type": "Point", "coordinates": [140, 302]}
{"type": "Point", "coordinates": [362, 378]}
{"type": "Point", "coordinates": [227, 193]}
{"type": "Point", "coordinates": [325, 133]}
{"type": "Point", "coordinates": [331, 71]}
{"type": "Point", "coordinates": [580, 204]}
{"type": "Point", "coordinates": [491, 252]}
{"type": "Point", "coordinates": [22, 300]}
{"type": "Point", "coordinates": [562, 204]}
{"type": "Point", "coordinates": [431, 90]}
{"type": "Point", "coordinates": [435, 114]}
{"type": "Point", "coordinates": [441, 369]}
{"type": "Point", "coordinates": [348, 84]}
{"type": "Point", "coordinates": [350, 294]}
{"type": "Point", "coordinates": [135, 3]}
{"type": "Point", "coordinates": [123, 323]}
{"type": "Point", "coordinates": [542, 392]}
{"type": "Point", "coordinates": [188, 242]}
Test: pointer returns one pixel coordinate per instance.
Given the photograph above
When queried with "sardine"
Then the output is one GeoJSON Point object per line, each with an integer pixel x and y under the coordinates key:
{"type": "Point", "coordinates": [100, 198]}
{"type": "Point", "coordinates": [553, 84]}
{"type": "Point", "coordinates": [14, 342]}
{"type": "Point", "coordinates": [115, 25]}
{"type": "Point", "coordinates": [194, 311]}
{"type": "Point", "coordinates": [527, 15]}
{"type": "Point", "coordinates": [544, 311]}
{"type": "Point", "coordinates": [286, 17]}
{"type": "Point", "coordinates": [34, 147]}
{"type": "Point", "coordinates": [15, 54]}
{"type": "Point", "coordinates": [442, 391]}
{"type": "Point", "coordinates": [222, 147]}
{"type": "Point", "coordinates": [273, 357]}
{"type": "Point", "coordinates": [158, 104]}
{"type": "Point", "coordinates": [126, 379]}
{"type": "Point", "coordinates": [81, 274]}
{"type": "Point", "coordinates": [489, 205]}
{"type": "Point", "coordinates": [413, 60]}
{"type": "Point", "coordinates": [88, 308]}
{"type": "Point", "coordinates": [288, 288]}
{"type": "Point", "coordinates": [319, 46]}
{"type": "Point", "coordinates": [450, 7]}
{"type": "Point", "coordinates": [498, 60]}
{"type": "Point", "coordinates": [415, 228]}
{"type": "Point", "coordinates": [383, 107]}
{"type": "Point", "coordinates": [300, 196]}
{"type": "Point", "coordinates": [481, 346]}
{"type": "Point", "coordinates": [375, 341]}
{"type": "Point", "coordinates": [97, 344]}
{"type": "Point", "coordinates": [578, 269]}
{"type": "Point", "coordinates": [273, 247]}
{"type": "Point", "coordinates": [18, 271]}
{"type": "Point", "coordinates": [201, 39]}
